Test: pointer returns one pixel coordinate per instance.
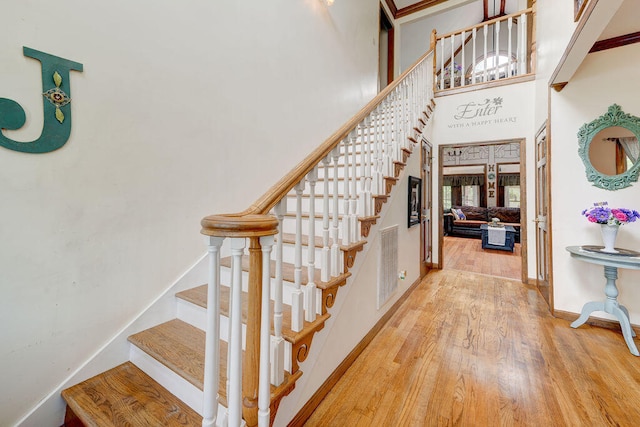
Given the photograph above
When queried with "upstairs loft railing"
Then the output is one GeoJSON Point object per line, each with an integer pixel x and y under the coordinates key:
{"type": "Point", "coordinates": [494, 50]}
{"type": "Point", "coordinates": [354, 169]}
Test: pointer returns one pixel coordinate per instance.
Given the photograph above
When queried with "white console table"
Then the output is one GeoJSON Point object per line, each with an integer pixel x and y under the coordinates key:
{"type": "Point", "coordinates": [611, 262]}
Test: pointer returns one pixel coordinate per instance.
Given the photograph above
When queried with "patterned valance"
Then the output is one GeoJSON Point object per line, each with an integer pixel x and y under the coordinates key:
{"type": "Point", "coordinates": [508, 179]}
{"type": "Point", "coordinates": [461, 180]}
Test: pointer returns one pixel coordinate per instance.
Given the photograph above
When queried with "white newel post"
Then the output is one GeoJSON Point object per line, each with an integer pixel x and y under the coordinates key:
{"type": "Point", "coordinates": [264, 390]}
{"type": "Point", "coordinates": [234, 399]}
{"type": "Point", "coordinates": [212, 340]}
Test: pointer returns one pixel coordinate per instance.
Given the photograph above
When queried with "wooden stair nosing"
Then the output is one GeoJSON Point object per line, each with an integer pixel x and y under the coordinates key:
{"type": "Point", "coordinates": [198, 296]}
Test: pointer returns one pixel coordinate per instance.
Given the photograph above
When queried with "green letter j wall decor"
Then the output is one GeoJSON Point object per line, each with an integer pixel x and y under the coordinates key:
{"type": "Point", "coordinates": [56, 98]}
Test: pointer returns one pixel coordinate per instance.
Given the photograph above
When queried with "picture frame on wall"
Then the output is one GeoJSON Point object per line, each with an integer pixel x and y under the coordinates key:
{"type": "Point", "coordinates": [414, 206]}
{"type": "Point", "coordinates": [578, 7]}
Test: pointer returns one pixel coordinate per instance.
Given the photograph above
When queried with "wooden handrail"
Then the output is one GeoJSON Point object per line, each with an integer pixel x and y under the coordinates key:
{"type": "Point", "coordinates": [490, 22]}
{"type": "Point", "coordinates": [265, 203]}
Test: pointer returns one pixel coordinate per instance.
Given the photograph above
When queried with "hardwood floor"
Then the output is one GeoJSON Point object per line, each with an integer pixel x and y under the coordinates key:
{"type": "Point", "coordinates": [465, 254]}
{"type": "Point", "coordinates": [475, 350]}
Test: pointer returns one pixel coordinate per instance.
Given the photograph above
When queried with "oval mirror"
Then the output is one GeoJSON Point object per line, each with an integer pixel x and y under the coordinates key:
{"type": "Point", "coordinates": [609, 149]}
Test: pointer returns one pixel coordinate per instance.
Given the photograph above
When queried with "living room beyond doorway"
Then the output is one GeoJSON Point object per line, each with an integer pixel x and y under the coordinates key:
{"type": "Point", "coordinates": [483, 183]}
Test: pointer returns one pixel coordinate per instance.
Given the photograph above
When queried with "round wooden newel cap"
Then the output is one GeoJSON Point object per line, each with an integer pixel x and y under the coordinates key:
{"type": "Point", "coordinates": [239, 226]}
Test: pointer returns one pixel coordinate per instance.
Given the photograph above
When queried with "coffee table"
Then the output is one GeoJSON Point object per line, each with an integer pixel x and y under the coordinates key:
{"type": "Point", "coordinates": [509, 240]}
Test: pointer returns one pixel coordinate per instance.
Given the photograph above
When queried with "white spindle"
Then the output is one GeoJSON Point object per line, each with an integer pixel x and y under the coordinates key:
{"type": "Point", "coordinates": [496, 54]}
{"type": "Point", "coordinates": [297, 298]}
{"type": "Point", "coordinates": [325, 268]}
{"type": "Point", "coordinates": [522, 66]}
{"type": "Point", "coordinates": [234, 398]}
{"type": "Point", "coordinates": [473, 59]}
{"type": "Point", "coordinates": [510, 32]}
{"type": "Point", "coordinates": [212, 340]}
{"type": "Point", "coordinates": [377, 131]}
{"type": "Point", "coordinates": [353, 202]}
{"type": "Point", "coordinates": [277, 341]}
{"type": "Point", "coordinates": [485, 32]}
{"type": "Point", "coordinates": [310, 288]}
{"type": "Point", "coordinates": [346, 223]}
{"type": "Point", "coordinates": [462, 65]}
{"type": "Point", "coordinates": [335, 247]}
{"type": "Point", "coordinates": [442, 61]}
{"type": "Point", "coordinates": [452, 80]}
{"type": "Point", "coordinates": [264, 386]}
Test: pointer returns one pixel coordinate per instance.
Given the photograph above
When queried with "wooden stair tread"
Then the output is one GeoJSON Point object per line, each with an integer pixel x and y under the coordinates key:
{"type": "Point", "coordinates": [177, 345]}
{"type": "Point", "coordinates": [180, 346]}
{"type": "Point", "coordinates": [288, 273]}
{"type": "Point", "coordinates": [125, 396]}
{"type": "Point", "coordinates": [198, 296]}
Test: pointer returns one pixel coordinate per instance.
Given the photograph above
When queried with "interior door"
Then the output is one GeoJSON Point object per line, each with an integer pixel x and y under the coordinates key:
{"type": "Point", "coordinates": [426, 236]}
{"type": "Point", "coordinates": [543, 229]}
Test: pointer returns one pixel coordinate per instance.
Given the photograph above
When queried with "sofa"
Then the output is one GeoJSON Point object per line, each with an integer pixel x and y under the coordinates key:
{"type": "Point", "coordinates": [475, 216]}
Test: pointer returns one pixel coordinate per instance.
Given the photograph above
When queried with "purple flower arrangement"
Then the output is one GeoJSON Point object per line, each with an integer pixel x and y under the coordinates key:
{"type": "Point", "coordinates": [601, 213]}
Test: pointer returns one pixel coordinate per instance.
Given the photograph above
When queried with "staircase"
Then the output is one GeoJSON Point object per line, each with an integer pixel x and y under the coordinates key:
{"type": "Point", "coordinates": [274, 273]}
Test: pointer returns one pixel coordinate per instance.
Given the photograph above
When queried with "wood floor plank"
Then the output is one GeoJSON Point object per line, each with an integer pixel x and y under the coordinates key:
{"type": "Point", "coordinates": [477, 350]}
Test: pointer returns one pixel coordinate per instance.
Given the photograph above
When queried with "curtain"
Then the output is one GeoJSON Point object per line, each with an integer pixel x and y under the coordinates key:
{"type": "Point", "coordinates": [508, 179]}
{"type": "Point", "coordinates": [461, 180]}
{"type": "Point", "coordinates": [631, 147]}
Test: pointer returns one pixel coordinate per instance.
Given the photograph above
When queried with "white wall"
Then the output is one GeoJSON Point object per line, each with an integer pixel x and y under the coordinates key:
{"type": "Point", "coordinates": [459, 120]}
{"type": "Point", "coordinates": [183, 109]}
{"type": "Point", "coordinates": [595, 86]}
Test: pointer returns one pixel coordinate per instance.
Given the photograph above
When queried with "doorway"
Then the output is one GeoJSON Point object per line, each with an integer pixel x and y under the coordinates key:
{"type": "Point", "coordinates": [386, 53]}
{"type": "Point", "coordinates": [490, 177]}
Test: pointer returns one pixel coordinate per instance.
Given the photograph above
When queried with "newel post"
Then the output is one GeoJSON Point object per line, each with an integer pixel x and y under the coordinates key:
{"type": "Point", "coordinates": [244, 374]}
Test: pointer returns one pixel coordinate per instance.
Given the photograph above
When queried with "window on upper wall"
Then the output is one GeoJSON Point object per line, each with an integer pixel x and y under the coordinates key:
{"type": "Point", "coordinates": [512, 196]}
{"type": "Point", "coordinates": [496, 63]}
{"type": "Point", "coordinates": [446, 198]}
{"type": "Point", "coordinates": [470, 195]}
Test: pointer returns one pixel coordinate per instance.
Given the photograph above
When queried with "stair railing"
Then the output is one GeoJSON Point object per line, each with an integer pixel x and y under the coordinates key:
{"type": "Point", "coordinates": [378, 138]}
{"type": "Point", "coordinates": [468, 56]}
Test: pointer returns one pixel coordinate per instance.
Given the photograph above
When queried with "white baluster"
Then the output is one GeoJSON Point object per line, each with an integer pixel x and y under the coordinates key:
{"type": "Point", "coordinates": [346, 224]}
{"type": "Point", "coordinates": [335, 247]}
{"type": "Point", "coordinates": [212, 341]}
{"type": "Point", "coordinates": [297, 297]}
{"type": "Point", "coordinates": [496, 56]}
{"type": "Point", "coordinates": [377, 130]}
{"type": "Point", "coordinates": [522, 67]}
{"type": "Point", "coordinates": [485, 32]}
{"type": "Point", "coordinates": [234, 398]}
{"type": "Point", "coordinates": [325, 268]}
{"type": "Point", "coordinates": [310, 288]}
{"type": "Point", "coordinates": [473, 59]}
{"type": "Point", "coordinates": [442, 60]}
{"type": "Point", "coordinates": [452, 80]}
{"type": "Point", "coordinates": [277, 341]}
{"type": "Point", "coordinates": [462, 70]}
{"type": "Point", "coordinates": [353, 202]}
{"type": "Point", "coordinates": [264, 386]}
{"type": "Point", "coordinates": [509, 63]}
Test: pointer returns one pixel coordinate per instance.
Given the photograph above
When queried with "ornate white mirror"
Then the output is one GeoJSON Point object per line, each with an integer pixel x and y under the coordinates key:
{"type": "Point", "coordinates": [609, 149]}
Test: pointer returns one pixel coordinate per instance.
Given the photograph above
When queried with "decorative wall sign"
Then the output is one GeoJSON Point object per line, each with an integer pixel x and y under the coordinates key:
{"type": "Point", "coordinates": [56, 99]}
{"type": "Point", "coordinates": [487, 112]}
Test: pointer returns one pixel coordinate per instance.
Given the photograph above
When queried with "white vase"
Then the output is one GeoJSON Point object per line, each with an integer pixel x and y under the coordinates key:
{"type": "Point", "coordinates": [609, 233]}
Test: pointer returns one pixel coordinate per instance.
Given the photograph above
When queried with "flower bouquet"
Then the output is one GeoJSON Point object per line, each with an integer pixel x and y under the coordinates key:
{"type": "Point", "coordinates": [610, 219]}
{"type": "Point", "coordinates": [601, 213]}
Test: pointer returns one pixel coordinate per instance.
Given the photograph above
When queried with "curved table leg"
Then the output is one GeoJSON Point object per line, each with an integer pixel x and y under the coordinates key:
{"type": "Point", "coordinates": [624, 309]}
{"type": "Point", "coordinates": [626, 330]}
{"type": "Point", "coordinates": [588, 308]}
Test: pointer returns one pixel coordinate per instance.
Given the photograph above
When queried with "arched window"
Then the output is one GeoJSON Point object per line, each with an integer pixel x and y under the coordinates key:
{"type": "Point", "coordinates": [497, 66]}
